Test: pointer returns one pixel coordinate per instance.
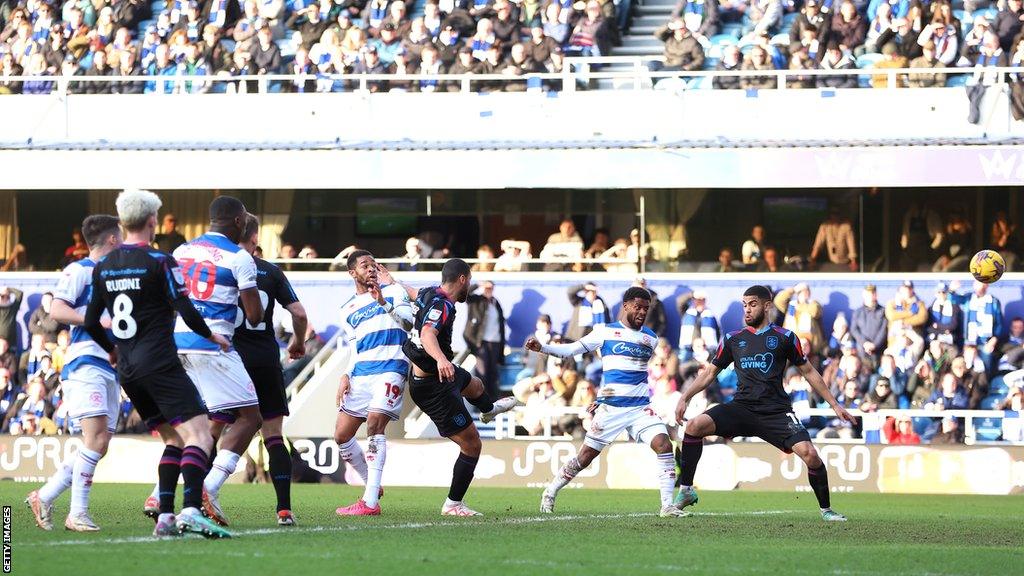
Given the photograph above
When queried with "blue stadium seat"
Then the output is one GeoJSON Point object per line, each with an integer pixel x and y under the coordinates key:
{"type": "Point", "coordinates": [723, 40]}
{"type": "Point", "coordinates": [514, 357]}
{"type": "Point", "coordinates": [158, 6]}
{"type": "Point", "coordinates": [988, 429]}
{"type": "Point", "coordinates": [868, 60]}
{"type": "Point", "coordinates": [957, 80]}
{"type": "Point", "coordinates": [959, 15]}
{"type": "Point", "coordinates": [710, 63]}
{"type": "Point", "coordinates": [781, 39]}
{"type": "Point", "coordinates": [989, 13]}
{"type": "Point", "coordinates": [734, 30]}
{"type": "Point", "coordinates": [507, 375]}
{"type": "Point", "coordinates": [991, 402]}
{"type": "Point", "coordinates": [998, 384]}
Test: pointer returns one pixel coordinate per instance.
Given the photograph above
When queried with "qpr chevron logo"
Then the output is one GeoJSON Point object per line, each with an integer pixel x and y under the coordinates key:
{"type": "Point", "coordinates": [762, 362]}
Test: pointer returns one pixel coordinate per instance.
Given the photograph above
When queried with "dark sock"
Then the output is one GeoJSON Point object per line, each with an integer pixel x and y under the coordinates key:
{"type": "Point", "coordinates": [167, 472]}
{"type": "Point", "coordinates": [462, 475]}
{"type": "Point", "coordinates": [280, 471]}
{"type": "Point", "coordinates": [194, 464]}
{"type": "Point", "coordinates": [818, 479]}
{"type": "Point", "coordinates": [689, 454]}
{"type": "Point", "coordinates": [483, 402]}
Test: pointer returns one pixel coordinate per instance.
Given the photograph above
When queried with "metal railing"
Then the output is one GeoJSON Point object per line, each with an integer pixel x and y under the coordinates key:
{"type": "Point", "coordinates": [577, 72]}
{"type": "Point", "coordinates": [505, 424]}
{"type": "Point", "coordinates": [314, 365]}
{"type": "Point", "coordinates": [526, 264]}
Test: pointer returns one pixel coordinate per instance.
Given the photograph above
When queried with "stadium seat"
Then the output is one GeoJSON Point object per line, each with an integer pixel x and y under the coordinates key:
{"type": "Point", "coordinates": [988, 429]}
{"type": "Point", "coordinates": [957, 80]}
{"type": "Point", "coordinates": [734, 30]}
{"type": "Point", "coordinates": [710, 63]}
{"type": "Point", "coordinates": [868, 60]}
{"type": "Point", "coordinates": [723, 40]}
{"type": "Point", "coordinates": [989, 14]}
{"type": "Point", "coordinates": [998, 384]}
{"type": "Point", "coordinates": [158, 6]}
{"type": "Point", "coordinates": [959, 15]}
{"type": "Point", "coordinates": [991, 402]}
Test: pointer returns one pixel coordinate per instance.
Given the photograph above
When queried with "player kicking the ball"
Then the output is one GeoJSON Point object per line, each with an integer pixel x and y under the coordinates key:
{"type": "Point", "coordinates": [761, 407]}
{"type": "Point", "coordinates": [626, 347]}
{"type": "Point", "coordinates": [375, 323]}
{"type": "Point", "coordinates": [438, 386]}
{"type": "Point", "coordinates": [90, 383]}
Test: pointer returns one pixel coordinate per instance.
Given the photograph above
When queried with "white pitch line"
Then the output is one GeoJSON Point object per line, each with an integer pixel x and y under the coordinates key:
{"type": "Point", "coordinates": [403, 526]}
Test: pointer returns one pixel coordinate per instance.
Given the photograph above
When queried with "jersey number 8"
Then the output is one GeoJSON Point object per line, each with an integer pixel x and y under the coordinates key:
{"type": "Point", "coordinates": [121, 322]}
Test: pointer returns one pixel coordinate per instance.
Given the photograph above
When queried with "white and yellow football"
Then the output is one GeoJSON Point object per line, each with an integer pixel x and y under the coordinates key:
{"type": "Point", "coordinates": [987, 266]}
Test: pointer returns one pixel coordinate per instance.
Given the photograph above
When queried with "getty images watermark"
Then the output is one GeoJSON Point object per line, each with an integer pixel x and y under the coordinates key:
{"type": "Point", "coordinates": [7, 539]}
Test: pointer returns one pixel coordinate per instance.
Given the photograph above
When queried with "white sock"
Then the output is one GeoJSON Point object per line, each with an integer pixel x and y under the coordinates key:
{"type": "Point", "coordinates": [57, 483]}
{"type": "Point", "coordinates": [223, 466]}
{"type": "Point", "coordinates": [377, 453]}
{"type": "Point", "coordinates": [81, 480]}
{"type": "Point", "coordinates": [448, 502]}
{"type": "Point", "coordinates": [666, 477]}
{"type": "Point", "coordinates": [565, 475]}
{"type": "Point", "coordinates": [352, 454]}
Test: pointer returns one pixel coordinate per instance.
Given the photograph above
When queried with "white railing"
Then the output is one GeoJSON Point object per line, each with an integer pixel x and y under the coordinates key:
{"type": "Point", "coordinates": [576, 70]}
{"type": "Point", "coordinates": [525, 264]}
{"type": "Point", "coordinates": [505, 424]}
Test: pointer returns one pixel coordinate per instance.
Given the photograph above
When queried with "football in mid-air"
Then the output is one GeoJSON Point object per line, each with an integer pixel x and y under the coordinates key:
{"type": "Point", "coordinates": [987, 266]}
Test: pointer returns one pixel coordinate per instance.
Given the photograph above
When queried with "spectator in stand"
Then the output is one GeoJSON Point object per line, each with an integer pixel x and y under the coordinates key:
{"type": "Point", "coordinates": [922, 233]}
{"type": "Point", "coordinates": [811, 19]}
{"type": "Point", "coordinates": [891, 59]}
{"type": "Point", "coordinates": [696, 323]}
{"type": "Point", "coordinates": [897, 377]}
{"type": "Point", "coordinates": [588, 310]}
{"type": "Point", "coordinates": [984, 322]}
{"type": "Point", "coordinates": [8, 360]}
{"type": "Point", "coordinates": [514, 254]}
{"type": "Point", "coordinates": [905, 312]}
{"type": "Point", "coordinates": [30, 414]}
{"type": "Point", "coordinates": [536, 363]}
{"type": "Point", "coordinates": [506, 23]}
{"type": "Point", "coordinates": [36, 67]}
{"type": "Point", "coordinates": [836, 236]}
{"type": "Point", "coordinates": [308, 23]}
{"type": "Point", "coordinates": [598, 246]}
{"type": "Point", "coordinates": [10, 303]}
{"type": "Point", "coordinates": [485, 335]}
{"type": "Point", "coordinates": [1011, 352]}
{"type": "Point", "coordinates": [950, 395]}
{"type": "Point", "coordinates": [126, 66]}
{"type": "Point", "coordinates": [758, 60]}
{"type": "Point", "coordinates": [592, 32]}
{"type": "Point", "coordinates": [974, 382]}
{"type": "Point", "coordinates": [682, 50]}
{"type": "Point", "coordinates": [539, 46]}
{"type": "Point", "coordinates": [566, 243]}
{"type": "Point", "coordinates": [943, 34]}
{"type": "Point", "coordinates": [9, 391]}
{"type": "Point", "coordinates": [266, 56]}
{"type": "Point", "coordinates": [849, 398]}
{"type": "Point", "coordinates": [900, 431]}
{"type": "Point", "coordinates": [517, 65]}
{"type": "Point", "coordinates": [725, 261]}
{"type": "Point", "coordinates": [1008, 23]}
{"type": "Point", "coordinates": [42, 323]}
{"type": "Point", "coordinates": [927, 59]}
{"type": "Point", "coordinates": [868, 326]}
{"type": "Point", "coordinates": [847, 29]}
{"type": "Point", "coordinates": [9, 69]}
{"type": "Point", "coordinates": [556, 24]}
{"type": "Point", "coordinates": [750, 252]}
{"type": "Point", "coordinates": [846, 368]}
{"type": "Point", "coordinates": [950, 434]}
{"type": "Point", "coordinates": [769, 261]}
{"type": "Point", "coordinates": [486, 253]}
{"type": "Point", "coordinates": [881, 397]}
{"type": "Point", "coordinates": [802, 314]}
{"type": "Point", "coordinates": [169, 238]}
{"type": "Point", "coordinates": [802, 59]}
{"type": "Point", "coordinates": [840, 338]}
{"type": "Point", "coordinates": [700, 16]}
{"type": "Point", "coordinates": [732, 60]}
{"type": "Point", "coordinates": [762, 16]}
{"type": "Point", "coordinates": [944, 318]}
{"type": "Point", "coordinates": [32, 359]}
{"type": "Point", "coordinates": [245, 29]}
{"type": "Point", "coordinates": [78, 249]}
{"type": "Point", "coordinates": [398, 17]}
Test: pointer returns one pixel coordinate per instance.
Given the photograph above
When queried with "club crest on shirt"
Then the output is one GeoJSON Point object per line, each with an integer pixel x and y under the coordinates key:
{"type": "Point", "coordinates": [772, 342]}
{"type": "Point", "coordinates": [434, 314]}
{"type": "Point", "coordinates": [646, 341]}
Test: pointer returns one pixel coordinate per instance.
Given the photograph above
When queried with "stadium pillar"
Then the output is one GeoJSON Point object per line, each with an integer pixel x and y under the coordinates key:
{"type": "Point", "coordinates": [643, 233]}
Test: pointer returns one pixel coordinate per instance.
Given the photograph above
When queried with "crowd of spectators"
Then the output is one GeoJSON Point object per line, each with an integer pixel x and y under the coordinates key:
{"type": "Point", "coordinates": [167, 43]}
{"type": "Point", "coordinates": [950, 353]}
{"type": "Point", "coordinates": [837, 35]}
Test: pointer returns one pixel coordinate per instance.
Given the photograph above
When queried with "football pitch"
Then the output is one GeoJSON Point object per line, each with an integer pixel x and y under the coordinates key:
{"type": "Point", "coordinates": [593, 532]}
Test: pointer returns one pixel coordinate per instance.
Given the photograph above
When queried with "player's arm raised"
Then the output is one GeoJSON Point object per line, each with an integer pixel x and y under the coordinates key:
{"type": "Point", "coordinates": [384, 278]}
{"type": "Point", "coordinates": [818, 384]}
{"type": "Point", "coordinates": [559, 350]}
{"type": "Point", "coordinates": [704, 378]}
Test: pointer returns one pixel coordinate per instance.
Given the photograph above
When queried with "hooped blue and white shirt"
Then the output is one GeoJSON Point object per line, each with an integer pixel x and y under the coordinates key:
{"type": "Point", "coordinates": [625, 354]}
{"type": "Point", "coordinates": [375, 337]}
{"type": "Point", "coordinates": [75, 289]}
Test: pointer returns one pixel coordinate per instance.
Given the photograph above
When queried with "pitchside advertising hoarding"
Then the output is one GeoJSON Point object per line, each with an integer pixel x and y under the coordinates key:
{"type": "Point", "coordinates": [531, 464]}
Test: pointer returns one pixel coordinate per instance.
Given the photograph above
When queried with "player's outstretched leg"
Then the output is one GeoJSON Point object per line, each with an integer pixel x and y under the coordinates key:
{"type": "Point", "coordinates": [565, 475]}
{"type": "Point", "coordinates": [41, 501]}
{"type": "Point", "coordinates": [469, 443]}
{"type": "Point", "coordinates": [662, 447]}
{"type": "Point", "coordinates": [690, 453]}
{"type": "Point", "coordinates": [817, 477]}
{"type": "Point", "coordinates": [476, 394]}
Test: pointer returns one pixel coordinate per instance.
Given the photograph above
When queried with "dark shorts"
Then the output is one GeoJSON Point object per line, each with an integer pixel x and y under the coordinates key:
{"type": "Point", "coordinates": [780, 429]}
{"type": "Point", "coordinates": [166, 396]}
{"type": "Point", "coordinates": [442, 401]}
{"type": "Point", "coordinates": [269, 384]}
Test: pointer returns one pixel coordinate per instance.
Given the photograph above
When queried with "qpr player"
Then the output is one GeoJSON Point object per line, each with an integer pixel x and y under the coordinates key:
{"type": "Point", "coordinates": [626, 346]}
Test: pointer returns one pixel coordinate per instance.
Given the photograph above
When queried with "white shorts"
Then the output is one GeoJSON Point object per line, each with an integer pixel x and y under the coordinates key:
{"type": "Point", "coordinates": [639, 422]}
{"type": "Point", "coordinates": [221, 379]}
{"type": "Point", "coordinates": [380, 393]}
{"type": "Point", "coordinates": [91, 391]}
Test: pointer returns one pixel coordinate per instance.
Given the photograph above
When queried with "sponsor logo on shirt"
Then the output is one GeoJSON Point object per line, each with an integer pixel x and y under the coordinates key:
{"type": "Point", "coordinates": [762, 362]}
{"type": "Point", "coordinates": [629, 349]}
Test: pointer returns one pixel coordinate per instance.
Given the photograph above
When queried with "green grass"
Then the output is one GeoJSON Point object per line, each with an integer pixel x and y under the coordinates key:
{"type": "Point", "coordinates": [594, 532]}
